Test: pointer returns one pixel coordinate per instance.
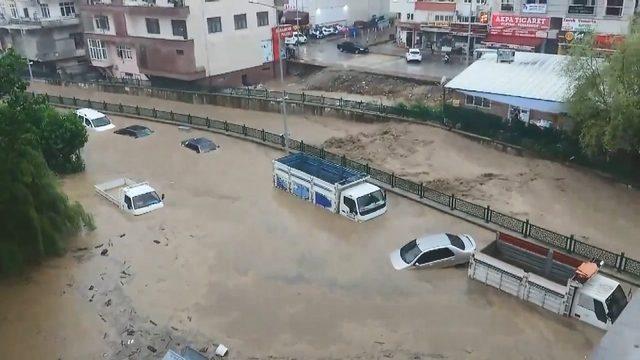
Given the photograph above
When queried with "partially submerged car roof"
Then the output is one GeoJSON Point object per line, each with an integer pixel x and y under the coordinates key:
{"type": "Point", "coordinates": [89, 113]}
{"type": "Point", "coordinates": [203, 143]}
{"type": "Point", "coordinates": [427, 242]}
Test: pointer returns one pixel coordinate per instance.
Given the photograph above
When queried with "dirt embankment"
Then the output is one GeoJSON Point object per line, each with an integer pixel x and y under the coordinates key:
{"type": "Point", "coordinates": [552, 195]}
{"type": "Point", "coordinates": [359, 83]}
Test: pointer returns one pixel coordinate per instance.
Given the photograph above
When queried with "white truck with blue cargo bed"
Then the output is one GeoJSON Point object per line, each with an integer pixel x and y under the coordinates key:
{"type": "Point", "coordinates": [550, 279]}
{"type": "Point", "coordinates": [330, 186]}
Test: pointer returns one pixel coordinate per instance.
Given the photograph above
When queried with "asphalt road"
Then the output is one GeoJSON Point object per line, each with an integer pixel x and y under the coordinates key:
{"type": "Point", "coordinates": [324, 52]}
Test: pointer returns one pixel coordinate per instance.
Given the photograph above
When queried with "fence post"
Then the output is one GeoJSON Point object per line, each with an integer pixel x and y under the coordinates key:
{"type": "Point", "coordinates": [75, 101]}
{"type": "Point", "coordinates": [226, 126]}
{"type": "Point", "coordinates": [264, 138]}
{"type": "Point", "coordinates": [381, 109]}
{"type": "Point", "coordinates": [208, 122]}
{"type": "Point", "coordinates": [89, 104]}
{"type": "Point", "coordinates": [244, 129]}
{"type": "Point", "coordinates": [452, 202]}
{"type": "Point", "coordinates": [137, 110]}
{"type": "Point", "coordinates": [171, 115]}
{"type": "Point", "coordinates": [266, 93]}
{"type": "Point", "coordinates": [572, 244]}
{"type": "Point", "coordinates": [393, 179]}
{"type": "Point", "coordinates": [525, 228]}
{"type": "Point", "coordinates": [620, 262]}
{"type": "Point", "coordinates": [360, 105]}
{"type": "Point", "coordinates": [367, 169]}
{"type": "Point", "coordinates": [487, 214]}
{"type": "Point", "coordinates": [281, 139]}
{"type": "Point", "coordinates": [104, 105]}
{"type": "Point", "coordinates": [341, 105]}
{"type": "Point", "coordinates": [120, 108]}
{"type": "Point", "coordinates": [155, 113]}
{"type": "Point", "coordinates": [322, 99]}
{"type": "Point", "coordinates": [322, 154]}
{"type": "Point", "coordinates": [421, 191]}
{"type": "Point", "coordinates": [343, 160]}
{"type": "Point", "coordinates": [46, 96]}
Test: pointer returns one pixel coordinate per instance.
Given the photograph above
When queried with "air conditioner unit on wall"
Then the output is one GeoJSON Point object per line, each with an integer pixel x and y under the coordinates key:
{"type": "Point", "coordinates": [506, 55]}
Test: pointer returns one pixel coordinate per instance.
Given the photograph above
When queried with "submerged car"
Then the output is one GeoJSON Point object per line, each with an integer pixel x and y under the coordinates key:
{"type": "Point", "coordinates": [94, 120]}
{"type": "Point", "coordinates": [199, 145]}
{"type": "Point", "coordinates": [439, 250]}
{"type": "Point", "coordinates": [135, 131]}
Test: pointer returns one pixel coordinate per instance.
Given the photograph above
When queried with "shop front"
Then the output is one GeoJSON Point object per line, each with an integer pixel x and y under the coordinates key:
{"type": "Point", "coordinates": [522, 33]}
{"type": "Point", "coordinates": [574, 29]}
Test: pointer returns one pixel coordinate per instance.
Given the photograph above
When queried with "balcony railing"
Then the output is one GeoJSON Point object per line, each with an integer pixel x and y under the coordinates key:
{"type": "Point", "coordinates": [43, 22]}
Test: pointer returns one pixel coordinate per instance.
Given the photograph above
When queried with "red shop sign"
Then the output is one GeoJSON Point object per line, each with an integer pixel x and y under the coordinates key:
{"type": "Point", "coordinates": [512, 25]}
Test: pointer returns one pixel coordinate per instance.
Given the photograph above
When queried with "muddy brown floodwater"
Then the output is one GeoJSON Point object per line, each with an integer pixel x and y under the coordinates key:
{"type": "Point", "coordinates": [231, 260]}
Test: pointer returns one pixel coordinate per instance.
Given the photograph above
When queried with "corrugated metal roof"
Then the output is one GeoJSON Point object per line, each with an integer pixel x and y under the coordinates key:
{"type": "Point", "coordinates": [530, 75]}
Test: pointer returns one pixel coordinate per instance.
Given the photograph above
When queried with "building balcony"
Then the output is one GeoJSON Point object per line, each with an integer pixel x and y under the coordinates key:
{"type": "Point", "coordinates": [174, 8]}
{"type": "Point", "coordinates": [59, 55]}
{"type": "Point", "coordinates": [39, 23]}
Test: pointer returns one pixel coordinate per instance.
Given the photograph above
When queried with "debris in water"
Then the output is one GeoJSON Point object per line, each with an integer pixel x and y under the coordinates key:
{"type": "Point", "coordinates": [104, 252]}
{"type": "Point", "coordinates": [122, 235]}
{"type": "Point", "coordinates": [107, 303]}
{"type": "Point", "coordinates": [204, 349]}
{"type": "Point", "coordinates": [153, 322]}
{"type": "Point", "coordinates": [151, 348]}
{"type": "Point", "coordinates": [131, 332]}
{"type": "Point", "coordinates": [92, 296]}
{"type": "Point", "coordinates": [102, 317]}
{"type": "Point", "coordinates": [221, 350]}
{"type": "Point", "coordinates": [105, 336]}
{"type": "Point", "coordinates": [174, 328]}
{"type": "Point", "coordinates": [98, 246]}
{"type": "Point", "coordinates": [189, 318]}
{"type": "Point", "coordinates": [156, 241]}
{"type": "Point", "coordinates": [81, 249]}
{"type": "Point", "coordinates": [379, 342]}
{"type": "Point", "coordinates": [91, 287]}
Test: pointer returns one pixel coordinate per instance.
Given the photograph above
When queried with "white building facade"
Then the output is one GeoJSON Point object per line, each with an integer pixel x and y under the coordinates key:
{"type": "Point", "coordinates": [213, 42]}
{"type": "Point", "coordinates": [340, 11]}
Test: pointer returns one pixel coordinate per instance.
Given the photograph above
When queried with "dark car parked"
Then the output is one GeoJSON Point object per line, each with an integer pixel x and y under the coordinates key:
{"type": "Point", "coordinates": [352, 47]}
{"type": "Point", "coordinates": [199, 145]}
{"type": "Point", "coordinates": [135, 131]}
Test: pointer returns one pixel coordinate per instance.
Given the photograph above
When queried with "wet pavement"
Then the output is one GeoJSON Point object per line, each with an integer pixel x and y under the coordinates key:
{"type": "Point", "coordinates": [324, 52]}
{"type": "Point", "coordinates": [231, 260]}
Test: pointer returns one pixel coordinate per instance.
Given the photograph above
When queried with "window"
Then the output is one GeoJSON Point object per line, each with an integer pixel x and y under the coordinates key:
{"type": "Point", "coordinates": [434, 255]}
{"type": "Point", "coordinates": [585, 302]}
{"type": "Point", "coordinates": [14, 10]}
{"type": "Point", "coordinates": [478, 101]}
{"type": "Point", "coordinates": [214, 24]}
{"type": "Point", "coordinates": [447, 18]}
{"type": "Point", "coordinates": [44, 11]}
{"type": "Point", "coordinates": [456, 241]}
{"type": "Point", "coordinates": [127, 200]}
{"type": "Point", "coordinates": [536, 1]}
{"type": "Point", "coordinates": [78, 40]}
{"type": "Point", "coordinates": [67, 9]}
{"type": "Point", "coordinates": [25, 11]}
{"type": "Point", "coordinates": [350, 204]}
{"type": "Point", "coordinates": [506, 5]}
{"type": "Point", "coordinates": [240, 21]}
{"type": "Point", "coordinates": [600, 313]}
{"type": "Point", "coordinates": [210, 0]}
{"type": "Point", "coordinates": [179, 28]}
{"type": "Point", "coordinates": [614, 7]}
{"type": "Point", "coordinates": [409, 16]}
{"type": "Point", "coordinates": [87, 123]}
{"type": "Point", "coordinates": [124, 52]}
{"type": "Point", "coordinates": [398, 16]}
{"type": "Point", "coordinates": [585, 7]}
{"type": "Point", "coordinates": [97, 50]}
{"type": "Point", "coordinates": [410, 251]}
{"type": "Point", "coordinates": [153, 25]}
{"type": "Point", "coordinates": [263, 18]}
{"type": "Point", "coordinates": [179, 51]}
{"type": "Point", "coordinates": [102, 22]}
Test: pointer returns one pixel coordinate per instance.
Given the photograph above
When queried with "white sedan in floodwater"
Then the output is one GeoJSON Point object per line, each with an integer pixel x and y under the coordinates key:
{"type": "Point", "coordinates": [439, 250]}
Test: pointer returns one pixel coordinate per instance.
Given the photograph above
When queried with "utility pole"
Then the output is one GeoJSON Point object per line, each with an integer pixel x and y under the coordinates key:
{"type": "Point", "coordinates": [281, 49]}
{"type": "Point", "coordinates": [297, 16]}
{"type": "Point", "coordinates": [469, 31]}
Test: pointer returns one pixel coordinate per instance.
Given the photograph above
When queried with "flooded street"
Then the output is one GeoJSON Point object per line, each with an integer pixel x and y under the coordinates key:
{"type": "Point", "coordinates": [231, 260]}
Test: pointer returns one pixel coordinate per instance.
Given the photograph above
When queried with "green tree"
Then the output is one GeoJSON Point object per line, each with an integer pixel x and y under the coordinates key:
{"type": "Point", "coordinates": [606, 98]}
{"type": "Point", "coordinates": [35, 216]}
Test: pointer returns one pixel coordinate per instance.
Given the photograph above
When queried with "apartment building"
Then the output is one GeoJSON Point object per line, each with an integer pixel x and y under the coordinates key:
{"type": "Point", "coordinates": [526, 25]}
{"type": "Point", "coordinates": [46, 32]}
{"type": "Point", "coordinates": [340, 11]}
{"type": "Point", "coordinates": [213, 42]}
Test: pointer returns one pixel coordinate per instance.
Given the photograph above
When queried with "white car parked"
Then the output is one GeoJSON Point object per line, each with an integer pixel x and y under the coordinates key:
{"type": "Point", "coordinates": [296, 38]}
{"type": "Point", "coordinates": [414, 55]}
{"type": "Point", "coordinates": [329, 30]}
{"type": "Point", "coordinates": [94, 120]}
{"type": "Point", "coordinates": [438, 250]}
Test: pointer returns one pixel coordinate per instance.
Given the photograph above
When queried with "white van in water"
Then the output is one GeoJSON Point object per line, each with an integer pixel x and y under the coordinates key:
{"type": "Point", "coordinates": [94, 120]}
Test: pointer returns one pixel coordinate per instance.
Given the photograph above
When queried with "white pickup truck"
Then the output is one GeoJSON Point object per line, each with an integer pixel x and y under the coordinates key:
{"type": "Point", "coordinates": [136, 198]}
{"type": "Point", "coordinates": [550, 279]}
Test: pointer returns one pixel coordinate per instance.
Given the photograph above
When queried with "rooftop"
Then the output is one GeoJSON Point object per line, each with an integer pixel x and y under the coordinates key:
{"type": "Point", "coordinates": [532, 80]}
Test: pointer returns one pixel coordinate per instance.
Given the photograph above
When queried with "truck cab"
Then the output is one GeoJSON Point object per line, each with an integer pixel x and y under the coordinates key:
{"type": "Point", "coordinates": [599, 301]}
{"type": "Point", "coordinates": [140, 199]}
{"type": "Point", "coordinates": [363, 202]}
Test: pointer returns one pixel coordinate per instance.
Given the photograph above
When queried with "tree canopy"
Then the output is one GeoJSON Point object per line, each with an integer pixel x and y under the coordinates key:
{"type": "Point", "coordinates": [606, 98]}
{"type": "Point", "coordinates": [35, 216]}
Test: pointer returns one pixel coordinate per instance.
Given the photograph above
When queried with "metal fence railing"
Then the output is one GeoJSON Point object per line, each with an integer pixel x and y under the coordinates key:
{"type": "Point", "coordinates": [620, 262]}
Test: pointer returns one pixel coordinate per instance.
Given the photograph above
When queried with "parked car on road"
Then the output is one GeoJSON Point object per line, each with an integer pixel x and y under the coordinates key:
{"type": "Point", "coordinates": [94, 120]}
{"type": "Point", "coordinates": [329, 30]}
{"type": "Point", "coordinates": [437, 250]}
{"type": "Point", "coordinates": [135, 131]}
{"type": "Point", "coordinates": [352, 47]}
{"type": "Point", "coordinates": [414, 55]}
{"type": "Point", "coordinates": [296, 38]}
{"type": "Point", "coordinates": [316, 33]}
{"type": "Point", "coordinates": [199, 145]}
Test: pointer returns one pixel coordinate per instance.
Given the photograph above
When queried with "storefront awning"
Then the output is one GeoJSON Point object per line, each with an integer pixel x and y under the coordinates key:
{"type": "Point", "coordinates": [513, 42]}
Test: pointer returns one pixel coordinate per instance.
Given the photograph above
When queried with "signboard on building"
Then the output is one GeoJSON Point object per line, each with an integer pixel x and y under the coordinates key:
{"type": "Point", "coordinates": [579, 25]}
{"type": "Point", "coordinates": [534, 8]}
{"type": "Point", "coordinates": [525, 26]}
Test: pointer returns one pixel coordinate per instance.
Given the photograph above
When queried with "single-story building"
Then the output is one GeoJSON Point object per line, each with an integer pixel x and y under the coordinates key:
{"type": "Point", "coordinates": [531, 87]}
